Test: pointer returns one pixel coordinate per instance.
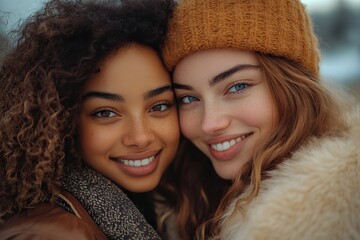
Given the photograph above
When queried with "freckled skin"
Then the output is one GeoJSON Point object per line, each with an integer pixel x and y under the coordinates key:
{"type": "Point", "coordinates": [241, 103]}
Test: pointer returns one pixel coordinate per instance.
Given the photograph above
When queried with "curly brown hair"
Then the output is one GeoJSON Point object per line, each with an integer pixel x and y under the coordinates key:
{"type": "Point", "coordinates": [41, 81]}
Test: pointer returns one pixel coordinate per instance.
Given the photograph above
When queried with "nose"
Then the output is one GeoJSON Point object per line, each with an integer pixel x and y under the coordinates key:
{"type": "Point", "coordinates": [214, 119]}
{"type": "Point", "coordinates": [139, 134]}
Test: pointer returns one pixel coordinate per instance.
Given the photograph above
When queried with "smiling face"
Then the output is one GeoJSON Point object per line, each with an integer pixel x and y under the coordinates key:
{"type": "Point", "coordinates": [128, 127]}
{"type": "Point", "coordinates": [225, 106]}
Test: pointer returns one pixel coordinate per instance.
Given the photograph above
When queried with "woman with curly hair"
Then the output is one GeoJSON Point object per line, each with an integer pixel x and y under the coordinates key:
{"type": "Point", "coordinates": [87, 112]}
{"type": "Point", "coordinates": [251, 99]}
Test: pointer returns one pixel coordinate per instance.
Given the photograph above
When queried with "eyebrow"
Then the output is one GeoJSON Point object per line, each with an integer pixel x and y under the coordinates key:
{"type": "Point", "coordinates": [120, 98]}
{"type": "Point", "coordinates": [182, 86]}
{"type": "Point", "coordinates": [220, 77]}
{"type": "Point", "coordinates": [227, 73]}
{"type": "Point", "coordinates": [104, 95]}
{"type": "Point", "coordinates": [157, 91]}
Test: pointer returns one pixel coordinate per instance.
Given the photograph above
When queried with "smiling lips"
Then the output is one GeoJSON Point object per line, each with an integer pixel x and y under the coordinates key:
{"type": "Point", "coordinates": [227, 150]}
{"type": "Point", "coordinates": [137, 160]}
{"type": "Point", "coordinates": [138, 163]}
{"type": "Point", "coordinates": [227, 144]}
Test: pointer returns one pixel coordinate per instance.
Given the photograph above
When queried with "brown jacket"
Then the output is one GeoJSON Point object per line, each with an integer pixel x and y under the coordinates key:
{"type": "Point", "coordinates": [50, 221]}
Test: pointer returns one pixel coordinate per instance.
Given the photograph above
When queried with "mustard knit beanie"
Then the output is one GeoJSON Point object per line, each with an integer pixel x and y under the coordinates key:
{"type": "Point", "coordinates": [277, 27]}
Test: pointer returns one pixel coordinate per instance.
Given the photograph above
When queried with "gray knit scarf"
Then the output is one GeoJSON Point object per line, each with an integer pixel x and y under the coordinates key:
{"type": "Point", "coordinates": [108, 205]}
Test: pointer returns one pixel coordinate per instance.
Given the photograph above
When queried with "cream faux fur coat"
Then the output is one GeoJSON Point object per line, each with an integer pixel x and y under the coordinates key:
{"type": "Point", "coordinates": [313, 195]}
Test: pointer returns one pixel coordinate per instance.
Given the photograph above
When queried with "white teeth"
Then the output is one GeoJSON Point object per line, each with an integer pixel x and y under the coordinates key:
{"type": "Point", "coordinates": [227, 144]}
{"type": "Point", "coordinates": [138, 163]}
{"type": "Point", "coordinates": [145, 162]}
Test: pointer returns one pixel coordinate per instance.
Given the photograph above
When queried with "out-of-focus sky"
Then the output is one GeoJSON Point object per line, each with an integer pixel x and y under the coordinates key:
{"type": "Point", "coordinates": [326, 5]}
{"type": "Point", "coordinates": [20, 9]}
{"type": "Point", "coordinates": [15, 10]}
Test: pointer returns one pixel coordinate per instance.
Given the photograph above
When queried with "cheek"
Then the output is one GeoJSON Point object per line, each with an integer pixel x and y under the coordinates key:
{"type": "Point", "coordinates": [267, 114]}
{"type": "Point", "coordinates": [189, 123]}
{"type": "Point", "coordinates": [259, 113]}
{"type": "Point", "coordinates": [166, 129]}
{"type": "Point", "coordinates": [95, 140]}
{"type": "Point", "coordinates": [88, 142]}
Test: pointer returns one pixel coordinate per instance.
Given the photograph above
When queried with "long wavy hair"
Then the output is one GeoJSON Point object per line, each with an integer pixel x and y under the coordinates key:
{"type": "Point", "coordinates": [41, 81]}
{"type": "Point", "coordinates": [306, 109]}
{"type": "Point", "coordinates": [190, 191]}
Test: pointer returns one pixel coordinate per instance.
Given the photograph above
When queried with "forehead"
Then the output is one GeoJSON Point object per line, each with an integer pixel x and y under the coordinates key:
{"type": "Point", "coordinates": [208, 63]}
{"type": "Point", "coordinates": [133, 67]}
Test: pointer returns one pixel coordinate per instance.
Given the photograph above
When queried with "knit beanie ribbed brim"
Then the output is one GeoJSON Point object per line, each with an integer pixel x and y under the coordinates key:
{"type": "Point", "coordinates": [277, 27]}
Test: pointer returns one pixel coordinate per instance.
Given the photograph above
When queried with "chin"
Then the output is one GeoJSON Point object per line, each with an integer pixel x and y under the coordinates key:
{"type": "Point", "coordinates": [227, 174]}
{"type": "Point", "coordinates": [223, 174]}
{"type": "Point", "coordinates": [141, 187]}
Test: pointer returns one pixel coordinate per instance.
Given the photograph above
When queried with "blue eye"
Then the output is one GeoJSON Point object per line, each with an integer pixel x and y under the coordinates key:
{"type": "Point", "coordinates": [187, 99]}
{"type": "Point", "coordinates": [105, 114]}
{"type": "Point", "coordinates": [238, 87]}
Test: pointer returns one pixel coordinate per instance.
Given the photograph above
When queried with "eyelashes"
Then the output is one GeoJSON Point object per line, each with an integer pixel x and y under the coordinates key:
{"type": "Point", "coordinates": [234, 88]}
{"type": "Point", "coordinates": [104, 113]}
{"type": "Point", "coordinates": [108, 112]}
{"type": "Point", "coordinates": [187, 99]}
{"type": "Point", "coordinates": [238, 87]}
{"type": "Point", "coordinates": [161, 106]}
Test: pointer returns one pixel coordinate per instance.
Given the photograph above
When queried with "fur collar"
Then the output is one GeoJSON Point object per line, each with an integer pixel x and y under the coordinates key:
{"type": "Point", "coordinates": [313, 195]}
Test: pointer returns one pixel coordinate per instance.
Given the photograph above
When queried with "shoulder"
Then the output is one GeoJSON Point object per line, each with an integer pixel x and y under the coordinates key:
{"type": "Point", "coordinates": [313, 195]}
{"type": "Point", "coordinates": [49, 221]}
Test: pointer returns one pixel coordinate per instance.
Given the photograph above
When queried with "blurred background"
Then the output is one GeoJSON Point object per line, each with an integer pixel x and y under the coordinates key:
{"type": "Point", "coordinates": [336, 23]}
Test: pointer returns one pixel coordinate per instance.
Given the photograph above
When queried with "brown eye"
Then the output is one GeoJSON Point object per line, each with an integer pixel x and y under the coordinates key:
{"type": "Point", "coordinates": [160, 107]}
{"type": "Point", "coordinates": [105, 114]}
